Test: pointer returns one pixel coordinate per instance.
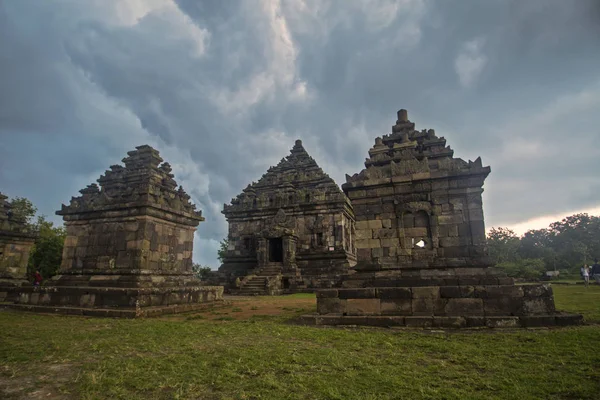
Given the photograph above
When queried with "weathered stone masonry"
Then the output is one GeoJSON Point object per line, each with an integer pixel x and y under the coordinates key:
{"type": "Point", "coordinates": [15, 245]}
{"type": "Point", "coordinates": [292, 230]}
{"type": "Point", "coordinates": [420, 239]}
{"type": "Point", "coordinates": [129, 245]}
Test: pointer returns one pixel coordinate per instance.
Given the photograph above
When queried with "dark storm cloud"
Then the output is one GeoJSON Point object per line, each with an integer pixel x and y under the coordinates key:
{"type": "Point", "coordinates": [222, 89]}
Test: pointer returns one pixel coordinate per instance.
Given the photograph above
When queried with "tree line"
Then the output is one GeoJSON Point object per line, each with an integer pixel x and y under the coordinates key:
{"type": "Point", "coordinates": [564, 246]}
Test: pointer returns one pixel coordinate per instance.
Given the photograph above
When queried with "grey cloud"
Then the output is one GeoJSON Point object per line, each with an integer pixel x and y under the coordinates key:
{"type": "Point", "coordinates": [79, 90]}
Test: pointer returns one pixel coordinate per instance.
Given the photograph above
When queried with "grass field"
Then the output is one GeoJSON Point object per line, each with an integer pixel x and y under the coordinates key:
{"type": "Point", "coordinates": [248, 349]}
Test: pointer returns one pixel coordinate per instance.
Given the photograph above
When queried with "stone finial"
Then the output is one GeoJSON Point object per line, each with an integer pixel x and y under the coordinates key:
{"type": "Point", "coordinates": [298, 143]}
{"type": "Point", "coordinates": [402, 116]}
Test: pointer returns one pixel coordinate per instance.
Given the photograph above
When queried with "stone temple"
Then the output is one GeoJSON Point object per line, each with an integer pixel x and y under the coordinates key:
{"type": "Point", "coordinates": [128, 250]}
{"type": "Point", "coordinates": [15, 245]}
{"type": "Point", "coordinates": [293, 230]}
{"type": "Point", "coordinates": [421, 245]}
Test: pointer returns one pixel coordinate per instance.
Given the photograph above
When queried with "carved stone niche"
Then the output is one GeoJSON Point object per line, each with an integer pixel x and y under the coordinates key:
{"type": "Point", "coordinates": [317, 230]}
{"type": "Point", "coordinates": [414, 225]}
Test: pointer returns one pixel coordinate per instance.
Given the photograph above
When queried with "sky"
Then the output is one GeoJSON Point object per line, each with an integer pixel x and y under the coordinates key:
{"type": "Point", "coordinates": [223, 89]}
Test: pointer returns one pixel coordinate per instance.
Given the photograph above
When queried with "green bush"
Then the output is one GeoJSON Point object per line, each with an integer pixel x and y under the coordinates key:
{"type": "Point", "coordinates": [528, 268]}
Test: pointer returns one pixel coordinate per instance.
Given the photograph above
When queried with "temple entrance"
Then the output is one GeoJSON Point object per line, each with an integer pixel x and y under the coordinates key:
{"type": "Point", "coordinates": [276, 250]}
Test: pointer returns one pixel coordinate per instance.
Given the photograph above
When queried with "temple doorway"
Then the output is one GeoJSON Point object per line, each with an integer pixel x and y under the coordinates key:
{"type": "Point", "coordinates": [276, 250]}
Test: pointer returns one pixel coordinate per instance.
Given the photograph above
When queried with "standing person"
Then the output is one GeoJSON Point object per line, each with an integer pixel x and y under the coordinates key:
{"type": "Point", "coordinates": [596, 271]}
{"type": "Point", "coordinates": [37, 278]}
{"type": "Point", "coordinates": [586, 275]}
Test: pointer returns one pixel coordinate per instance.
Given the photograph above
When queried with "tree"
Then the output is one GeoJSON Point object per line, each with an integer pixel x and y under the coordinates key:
{"type": "Point", "coordinates": [201, 272]}
{"type": "Point", "coordinates": [222, 249]}
{"type": "Point", "coordinates": [46, 254]}
{"type": "Point", "coordinates": [527, 268]}
{"type": "Point", "coordinates": [23, 210]}
{"type": "Point", "coordinates": [503, 244]}
{"type": "Point", "coordinates": [538, 243]}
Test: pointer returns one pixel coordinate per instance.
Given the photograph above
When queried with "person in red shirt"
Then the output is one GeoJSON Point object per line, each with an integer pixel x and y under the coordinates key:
{"type": "Point", "coordinates": [37, 278]}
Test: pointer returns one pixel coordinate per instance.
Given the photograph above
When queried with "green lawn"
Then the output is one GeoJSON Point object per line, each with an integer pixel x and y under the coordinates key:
{"type": "Point", "coordinates": [248, 350]}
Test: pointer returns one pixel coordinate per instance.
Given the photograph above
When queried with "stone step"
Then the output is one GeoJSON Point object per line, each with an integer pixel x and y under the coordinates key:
{"type": "Point", "coordinates": [453, 322]}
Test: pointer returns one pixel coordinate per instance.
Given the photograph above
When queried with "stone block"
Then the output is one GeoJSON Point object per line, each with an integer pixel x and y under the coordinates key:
{"type": "Point", "coordinates": [418, 321]}
{"type": "Point", "coordinates": [450, 241]}
{"type": "Point", "coordinates": [362, 225]}
{"type": "Point", "coordinates": [450, 322]}
{"type": "Point", "coordinates": [536, 290]}
{"type": "Point", "coordinates": [390, 242]}
{"type": "Point", "coordinates": [394, 293]}
{"type": "Point", "coordinates": [426, 292]}
{"type": "Point", "coordinates": [568, 319]}
{"type": "Point", "coordinates": [540, 305]}
{"type": "Point", "coordinates": [375, 224]}
{"type": "Point", "coordinates": [363, 307]}
{"type": "Point", "coordinates": [367, 293]}
{"type": "Point", "coordinates": [502, 322]}
{"type": "Point", "coordinates": [386, 223]}
{"type": "Point", "coordinates": [382, 321]}
{"type": "Point", "coordinates": [330, 305]}
{"type": "Point", "coordinates": [449, 219]}
{"type": "Point", "coordinates": [327, 293]}
{"type": "Point", "coordinates": [416, 232]}
{"type": "Point", "coordinates": [492, 292]}
{"type": "Point", "coordinates": [507, 306]}
{"type": "Point", "coordinates": [377, 252]}
{"type": "Point", "coordinates": [428, 305]}
{"type": "Point", "coordinates": [458, 306]}
{"type": "Point", "coordinates": [363, 244]}
{"type": "Point", "coordinates": [363, 254]}
{"type": "Point", "coordinates": [396, 306]}
{"type": "Point", "coordinates": [385, 233]}
{"type": "Point", "coordinates": [363, 234]}
{"type": "Point", "coordinates": [534, 321]}
{"type": "Point", "coordinates": [475, 322]}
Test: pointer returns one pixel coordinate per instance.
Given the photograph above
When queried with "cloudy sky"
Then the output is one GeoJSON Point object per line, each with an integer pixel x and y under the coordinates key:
{"type": "Point", "coordinates": [223, 88]}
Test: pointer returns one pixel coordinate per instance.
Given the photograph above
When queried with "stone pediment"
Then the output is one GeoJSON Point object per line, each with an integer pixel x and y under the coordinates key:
{"type": "Point", "coordinates": [279, 225]}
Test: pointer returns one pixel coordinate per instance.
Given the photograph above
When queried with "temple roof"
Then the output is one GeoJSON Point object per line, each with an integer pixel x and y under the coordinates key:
{"type": "Point", "coordinates": [408, 155]}
{"type": "Point", "coordinates": [145, 180]}
{"type": "Point", "coordinates": [296, 179]}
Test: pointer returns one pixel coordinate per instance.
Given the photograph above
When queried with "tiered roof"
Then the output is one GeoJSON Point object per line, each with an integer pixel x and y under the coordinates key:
{"type": "Point", "coordinates": [143, 182]}
{"type": "Point", "coordinates": [407, 155]}
{"type": "Point", "coordinates": [296, 180]}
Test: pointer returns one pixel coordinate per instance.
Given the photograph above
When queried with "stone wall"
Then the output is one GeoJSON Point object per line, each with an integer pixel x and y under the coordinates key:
{"type": "Point", "coordinates": [16, 242]}
{"type": "Point", "coordinates": [124, 244]}
{"type": "Point", "coordinates": [14, 256]}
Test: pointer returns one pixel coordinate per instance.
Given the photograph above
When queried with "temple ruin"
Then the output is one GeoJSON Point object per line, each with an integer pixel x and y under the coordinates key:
{"type": "Point", "coordinates": [421, 245]}
{"type": "Point", "coordinates": [128, 250]}
{"type": "Point", "coordinates": [16, 242]}
{"type": "Point", "coordinates": [293, 230]}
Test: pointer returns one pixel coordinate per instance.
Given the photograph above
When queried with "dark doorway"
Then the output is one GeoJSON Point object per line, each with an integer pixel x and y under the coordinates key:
{"type": "Point", "coordinates": [275, 250]}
